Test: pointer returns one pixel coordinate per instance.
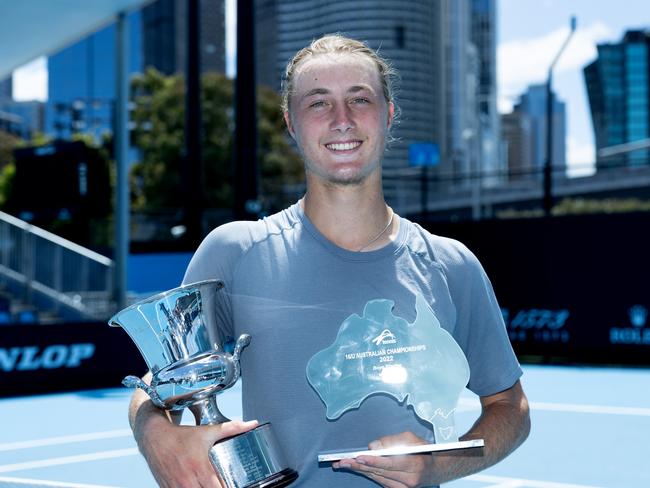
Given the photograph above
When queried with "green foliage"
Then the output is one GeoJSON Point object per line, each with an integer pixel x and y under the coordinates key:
{"type": "Point", "coordinates": [8, 143]}
{"type": "Point", "coordinates": [6, 178]}
{"type": "Point", "coordinates": [576, 206]}
{"type": "Point", "coordinates": [159, 119]}
{"type": "Point", "coordinates": [581, 206]}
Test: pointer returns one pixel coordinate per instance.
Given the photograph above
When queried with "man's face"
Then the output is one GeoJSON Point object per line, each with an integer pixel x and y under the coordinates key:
{"type": "Point", "coordinates": [339, 117]}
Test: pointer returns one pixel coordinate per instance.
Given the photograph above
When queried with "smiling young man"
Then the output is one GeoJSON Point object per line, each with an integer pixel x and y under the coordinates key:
{"type": "Point", "coordinates": [296, 279]}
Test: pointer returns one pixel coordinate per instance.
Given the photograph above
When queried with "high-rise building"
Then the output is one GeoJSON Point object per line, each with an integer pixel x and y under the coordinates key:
{"type": "Point", "coordinates": [533, 104]}
{"type": "Point", "coordinates": [483, 33]}
{"type": "Point", "coordinates": [431, 48]}
{"type": "Point", "coordinates": [81, 82]}
{"type": "Point", "coordinates": [6, 89]}
{"type": "Point", "coordinates": [516, 133]}
{"type": "Point", "coordinates": [23, 119]}
{"type": "Point", "coordinates": [618, 86]}
{"type": "Point", "coordinates": [164, 32]}
{"type": "Point", "coordinates": [461, 63]}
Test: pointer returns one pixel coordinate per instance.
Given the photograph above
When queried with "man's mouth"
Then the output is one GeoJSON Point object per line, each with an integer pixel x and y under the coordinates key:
{"type": "Point", "coordinates": [343, 146]}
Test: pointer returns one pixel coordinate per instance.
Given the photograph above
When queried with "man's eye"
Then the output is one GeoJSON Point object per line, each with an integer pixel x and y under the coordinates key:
{"type": "Point", "coordinates": [317, 104]}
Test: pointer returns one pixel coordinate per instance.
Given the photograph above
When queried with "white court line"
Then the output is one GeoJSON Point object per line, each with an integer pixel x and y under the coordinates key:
{"type": "Point", "coordinates": [68, 439]}
{"type": "Point", "coordinates": [82, 458]}
{"type": "Point", "coordinates": [574, 407]}
{"type": "Point", "coordinates": [467, 404]}
{"type": "Point", "coordinates": [5, 481]}
{"type": "Point", "coordinates": [504, 482]}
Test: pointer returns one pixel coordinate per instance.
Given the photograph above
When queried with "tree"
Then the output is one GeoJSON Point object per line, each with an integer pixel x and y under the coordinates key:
{"type": "Point", "coordinates": [159, 118]}
{"type": "Point", "coordinates": [8, 143]}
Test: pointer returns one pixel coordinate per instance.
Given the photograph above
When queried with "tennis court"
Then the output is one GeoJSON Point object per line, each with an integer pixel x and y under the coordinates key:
{"type": "Point", "coordinates": [590, 429]}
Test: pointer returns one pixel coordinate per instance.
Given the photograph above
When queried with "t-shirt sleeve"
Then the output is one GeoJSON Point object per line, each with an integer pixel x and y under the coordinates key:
{"type": "Point", "coordinates": [480, 330]}
{"type": "Point", "coordinates": [217, 258]}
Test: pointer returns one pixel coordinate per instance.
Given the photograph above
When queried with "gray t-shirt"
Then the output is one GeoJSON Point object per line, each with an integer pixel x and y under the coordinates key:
{"type": "Point", "coordinates": [291, 289]}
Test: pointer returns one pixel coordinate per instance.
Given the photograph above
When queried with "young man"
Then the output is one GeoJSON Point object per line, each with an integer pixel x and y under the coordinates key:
{"type": "Point", "coordinates": [293, 279]}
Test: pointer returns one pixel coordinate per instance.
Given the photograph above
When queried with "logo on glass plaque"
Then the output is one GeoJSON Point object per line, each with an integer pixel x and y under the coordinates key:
{"type": "Point", "coordinates": [382, 353]}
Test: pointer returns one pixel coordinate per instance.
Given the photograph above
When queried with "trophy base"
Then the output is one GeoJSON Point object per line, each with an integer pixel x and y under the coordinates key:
{"type": "Point", "coordinates": [330, 456]}
{"type": "Point", "coordinates": [252, 460]}
{"type": "Point", "coordinates": [283, 478]}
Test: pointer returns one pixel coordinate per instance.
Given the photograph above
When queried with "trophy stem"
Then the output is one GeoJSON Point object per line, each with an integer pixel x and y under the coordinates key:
{"type": "Point", "coordinates": [206, 412]}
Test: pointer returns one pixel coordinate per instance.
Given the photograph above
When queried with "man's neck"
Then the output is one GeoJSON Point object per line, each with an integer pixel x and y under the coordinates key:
{"type": "Point", "coordinates": [350, 216]}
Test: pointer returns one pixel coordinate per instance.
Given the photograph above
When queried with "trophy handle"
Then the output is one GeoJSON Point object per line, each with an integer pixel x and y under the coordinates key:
{"type": "Point", "coordinates": [243, 341]}
{"type": "Point", "coordinates": [135, 382]}
{"type": "Point", "coordinates": [206, 412]}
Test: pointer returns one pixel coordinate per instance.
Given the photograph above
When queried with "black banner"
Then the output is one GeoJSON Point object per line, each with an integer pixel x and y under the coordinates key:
{"type": "Point", "coordinates": [572, 289]}
{"type": "Point", "coordinates": [65, 357]}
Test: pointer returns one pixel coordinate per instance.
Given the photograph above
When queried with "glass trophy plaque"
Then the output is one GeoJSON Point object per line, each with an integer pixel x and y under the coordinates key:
{"type": "Point", "coordinates": [380, 353]}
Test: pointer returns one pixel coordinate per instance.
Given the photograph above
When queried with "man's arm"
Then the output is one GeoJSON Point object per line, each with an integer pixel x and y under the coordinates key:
{"type": "Point", "coordinates": [504, 424]}
{"type": "Point", "coordinates": [176, 454]}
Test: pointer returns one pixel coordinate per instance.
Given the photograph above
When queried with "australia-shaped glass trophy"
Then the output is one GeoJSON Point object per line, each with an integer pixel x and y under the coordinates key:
{"type": "Point", "coordinates": [192, 359]}
{"type": "Point", "coordinates": [380, 353]}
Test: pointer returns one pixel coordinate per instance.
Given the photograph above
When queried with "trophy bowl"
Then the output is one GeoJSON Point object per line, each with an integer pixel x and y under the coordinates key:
{"type": "Point", "coordinates": [191, 359]}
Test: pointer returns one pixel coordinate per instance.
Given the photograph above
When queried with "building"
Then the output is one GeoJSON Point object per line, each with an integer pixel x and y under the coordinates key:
{"type": "Point", "coordinates": [6, 90]}
{"type": "Point", "coordinates": [23, 119]}
{"type": "Point", "coordinates": [483, 34]}
{"type": "Point", "coordinates": [533, 104]}
{"type": "Point", "coordinates": [618, 87]}
{"type": "Point", "coordinates": [430, 45]}
{"type": "Point", "coordinates": [164, 33]}
{"type": "Point", "coordinates": [81, 82]}
{"type": "Point", "coordinates": [517, 136]}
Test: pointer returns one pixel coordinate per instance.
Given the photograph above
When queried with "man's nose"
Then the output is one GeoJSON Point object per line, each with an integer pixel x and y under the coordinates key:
{"type": "Point", "coordinates": [342, 118]}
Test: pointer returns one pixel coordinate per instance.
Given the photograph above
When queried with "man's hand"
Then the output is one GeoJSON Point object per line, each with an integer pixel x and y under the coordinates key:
{"type": "Point", "coordinates": [504, 424]}
{"type": "Point", "coordinates": [178, 454]}
{"type": "Point", "coordinates": [408, 471]}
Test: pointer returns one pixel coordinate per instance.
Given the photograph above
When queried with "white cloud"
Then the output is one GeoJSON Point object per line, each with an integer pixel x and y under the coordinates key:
{"type": "Point", "coordinates": [30, 81]}
{"type": "Point", "coordinates": [525, 62]}
{"type": "Point", "coordinates": [580, 158]}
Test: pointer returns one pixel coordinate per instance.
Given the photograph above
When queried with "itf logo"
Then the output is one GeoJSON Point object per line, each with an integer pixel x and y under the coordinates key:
{"type": "Point", "coordinates": [637, 334]}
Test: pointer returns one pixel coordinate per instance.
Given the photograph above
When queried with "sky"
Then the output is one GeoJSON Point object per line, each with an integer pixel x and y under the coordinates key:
{"type": "Point", "coordinates": [530, 33]}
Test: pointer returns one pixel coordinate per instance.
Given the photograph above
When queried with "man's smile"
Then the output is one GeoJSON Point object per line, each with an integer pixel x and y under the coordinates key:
{"type": "Point", "coordinates": [343, 146]}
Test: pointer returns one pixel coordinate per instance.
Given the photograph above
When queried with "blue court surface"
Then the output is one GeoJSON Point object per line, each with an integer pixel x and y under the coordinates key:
{"type": "Point", "coordinates": [590, 429]}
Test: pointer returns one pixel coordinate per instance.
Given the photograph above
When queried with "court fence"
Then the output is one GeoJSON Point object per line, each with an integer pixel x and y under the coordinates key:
{"type": "Point", "coordinates": [54, 274]}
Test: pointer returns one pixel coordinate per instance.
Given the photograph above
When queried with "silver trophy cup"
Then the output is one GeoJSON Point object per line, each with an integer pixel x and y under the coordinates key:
{"type": "Point", "coordinates": [188, 355]}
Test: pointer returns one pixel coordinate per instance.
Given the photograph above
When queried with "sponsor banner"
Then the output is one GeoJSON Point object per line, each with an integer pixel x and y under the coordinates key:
{"type": "Point", "coordinates": [572, 289]}
{"type": "Point", "coordinates": [65, 357]}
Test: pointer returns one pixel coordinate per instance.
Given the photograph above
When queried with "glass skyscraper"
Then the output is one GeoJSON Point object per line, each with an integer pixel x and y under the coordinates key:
{"type": "Point", "coordinates": [164, 35]}
{"type": "Point", "coordinates": [81, 82]}
{"type": "Point", "coordinates": [533, 104]}
{"type": "Point", "coordinates": [618, 87]}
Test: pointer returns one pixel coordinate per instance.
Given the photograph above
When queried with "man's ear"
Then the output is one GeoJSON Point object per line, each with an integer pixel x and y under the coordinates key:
{"type": "Point", "coordinates": [391, 113]}
{"type": "Point", "coordinates": [287, 120]}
